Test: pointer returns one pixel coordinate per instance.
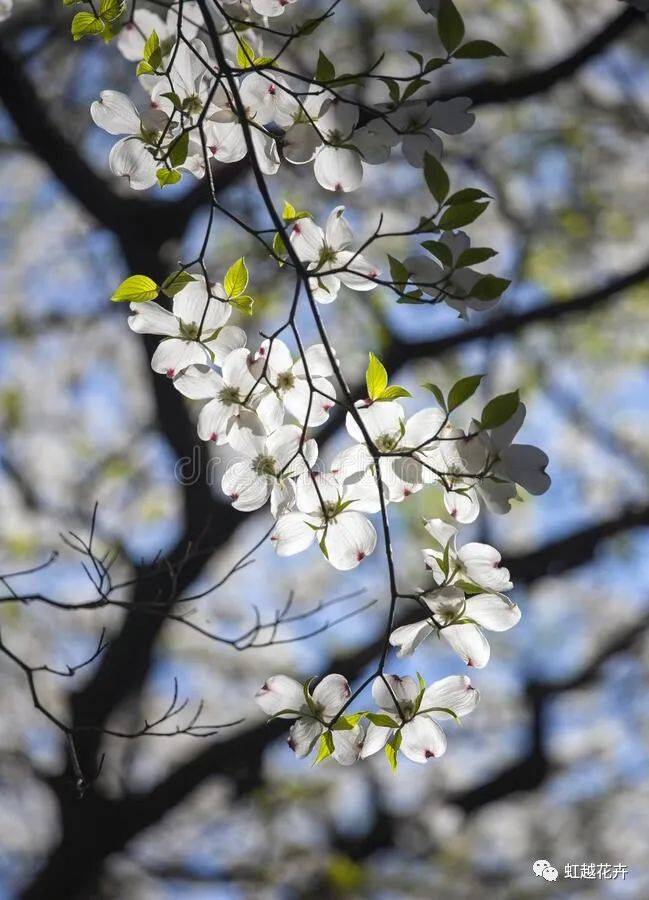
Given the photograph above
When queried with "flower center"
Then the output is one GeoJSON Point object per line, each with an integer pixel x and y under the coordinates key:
{"type": "Point", "coordinates": [386, 442]}
{"type": "Point", "coordinates": [326, 255]}
{"type": "Point", "coordinates": [189, 330]}
{"type": "Point", "coordinates": [192, 105]}
{"type": "Point", "coordinates": [264, 465]}
{"type": "Point", "coordinates": [285, 381]}
{"type": "Point", "coordinates": [229, 396]}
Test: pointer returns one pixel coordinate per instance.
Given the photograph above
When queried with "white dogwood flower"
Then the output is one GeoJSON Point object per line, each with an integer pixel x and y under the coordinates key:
{"type": "Point", "coordinates": [419, 121]}
{"type": "Point", "coordinates": [478, 564]}
{"type": "Point", "coordinates": [459, 620]}
{"type": "Point", "coordinates": [328, 250]}
{"type": "Point", "coordinates": [338, 164]}
{"type": "Point", "coordinates": [290, 380]}
{"type": "Point", "coordinates": [193, 330]}
{"type": "Point", "coordinates": [230, 395]}
{"type": "Point", "coordinates": [266, 463]}
{"type": "Point", "coordinates": [411, 712]}
{"type": "Point", "coordinates": [332, 514]}
{"type": "Point", "coordinates": [285, 698]}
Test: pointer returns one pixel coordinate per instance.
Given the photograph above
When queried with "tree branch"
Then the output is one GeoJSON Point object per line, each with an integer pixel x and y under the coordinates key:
{"type": "Point", "coordinates": [490, 91]}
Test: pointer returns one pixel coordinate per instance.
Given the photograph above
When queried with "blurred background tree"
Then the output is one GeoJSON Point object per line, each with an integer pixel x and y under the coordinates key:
{"type": "Point", "coordinates": [554, 764]}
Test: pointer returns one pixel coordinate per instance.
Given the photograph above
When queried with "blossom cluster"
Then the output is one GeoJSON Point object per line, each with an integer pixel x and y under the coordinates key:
{"type": "Point", "coordinates": [191, 115]}
{"type": "Point", "coordinates": [228, 101]}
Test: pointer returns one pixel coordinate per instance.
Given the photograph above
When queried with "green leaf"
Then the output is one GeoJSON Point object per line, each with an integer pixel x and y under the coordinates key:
{"type": "Point", "coordinates": [151, 44]}
{"type": "Point", "coordinates": [290, 214]}
{"type": "Point", "coordinates": [394, 392]}
{"type": "Point", "coordinates": [413, 297]}
{"type": "Point", "coordinates": [167, 176]}
{"type": "Point", "coordinates": [245, 54]}
{"type": "Point", "coordinates": [443, 253]}
{"type": "Point", "coordinates": [236, 278]}
{"type": "Point", "coordinates": [489, 287]}
{"type": "Point", "coordinates": [478, 50]}
{"type": "Point", "coordinates": [178, 149]}
{"type": "Point", "coordinates": [85, 23]}
{"type": "Point", "coordinates": [144, 68]}
{"type": "Point", "coordinates": [466, 195]}
{"type": "Point", "coordinates": [289, 210]}
{"type": "Point", "coordinates": [346, 723]}
{"type": "Point", "coordinates": [173, 97]}
{"type": "Point", "coordinates": [393, 89]}
{"type": "Point", "coordinates": [449, 25]}
{"type": "Point", "coordinates": [432, 64]}
{"type": "Point", "coordinates": [136, 289]}
{"type": "Point", "coordinates": [176, 282]}
{"type": "Point", "coordinates": [110, 10]}
{"type": "Point", "coordinates": [391, 750]}
{"type": "Point", "coordinates": [325, 69]}
{"type": "Point", "coordinates": [436, 177]}
{"type": "Point", "coordinates": [461, 214]}
{"type": "Point", "coordinates": [244, 304]}
{"type": "Point", "coordinates": [413, 87]}
{"type": "Point", "coordinates": [382, 720]}
{"type": "Point", "coordinates": [326, 747]}
{"type": "Point", "coordinates": [310, 25]}
{"type": "Point", "coordinates": [499, 410]}
{"type": "Point", "coordinates": [462, 390]}
{"type": "Point", "coordinates": [376, 378]}
{"type": "Point", "coordinates": [279, 247]}
{"type": "Point", "coordinates": [436, 392]}
{"type": "Point", "coordinates": [474, 256]}
{"type": "Point", "coordinates": [398, 272]}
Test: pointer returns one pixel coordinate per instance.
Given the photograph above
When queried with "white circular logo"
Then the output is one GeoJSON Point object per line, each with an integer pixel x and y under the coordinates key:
{"type": "Point", "coordinates": [539, 866]}
{"type": "Point", "coordinates": [542, 868]}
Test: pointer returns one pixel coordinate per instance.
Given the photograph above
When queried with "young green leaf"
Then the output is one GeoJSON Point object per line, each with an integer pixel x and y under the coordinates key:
{"type": "Point", "coordinates": [376, 378]}
{"type": "Point", "coordinates": [325, 70]}
{"type": "Point", "coordinates": [178, 149]}
{"type": "Point", "coordinates": [236, 278]}
{"type": "Point", "coordinates": [393, 392]}
{"type": "Point", "coordinates": [136, 289]}
{"type": "Point", "coordinates": [346, 723]}
{"type": "Point", "coordinates": [449, 25]}
{"type": "Point", "coordinates": [279, 247]}
{"type": "Point", "coordinates": [462, 390]}
{"type": "Point", "coordinates": [474, 256]}
{"type": "Point", "coordinates": [478, 50]}
{"type": "Point", "coordinates": [440, 251]}
{"type": "Point", "coordinates": [391, 750]}
{"type": "Point", "coordinates": [461, 214]}
{"type": "Point", "coordinates": [84, 23]}
{"type": "Point", "coordinates": [176, 282]}
{"type": "Point", "coordinates": [110, 10]}
{"type": "Point", "coordinates": [489, 287]}
{"type": "Point", "coordinates": [245, 54]}
{"type": "Point", "coordinates": [436, 392]}
{"type": "Point", "coordinates": [436, 177]}
{"type": "Point", "coordinates": [326, 747]}
{"type": "Point", "coordinates": [243, 303]}
{"type": "Point", "coordinates": [398, 272]}
{"type": "Point", "coordinates": [499, 410]}
{"type": "Point", "coordinates": [167, 176]}
{"type": "Point", "coordinates": [382, 720]}
{"type": "Point", "coordinates": [466, 195]}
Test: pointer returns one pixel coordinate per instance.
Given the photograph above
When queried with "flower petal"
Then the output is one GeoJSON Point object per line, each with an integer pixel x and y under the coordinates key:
{"type": "Point", "coordinates": [422, 739]}
{"type": "Point", "coordinates": [279, 693]}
